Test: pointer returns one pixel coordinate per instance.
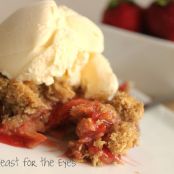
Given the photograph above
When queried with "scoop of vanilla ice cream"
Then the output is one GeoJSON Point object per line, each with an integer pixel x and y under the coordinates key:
{"type": "Point", "coordinates": [42, 41]}
{"type": "Point", "coordinates": [98, 79]}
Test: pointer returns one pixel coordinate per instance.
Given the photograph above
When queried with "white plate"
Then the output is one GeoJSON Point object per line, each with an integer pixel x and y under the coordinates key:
{"type": "Point", "coordinates": [154, 155]}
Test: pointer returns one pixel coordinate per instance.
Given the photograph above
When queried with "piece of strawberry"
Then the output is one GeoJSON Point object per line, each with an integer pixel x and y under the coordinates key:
{"type": "Point", "coordinates": [159, 19]}
{"type": "Point", "coordinates": [123, 14]}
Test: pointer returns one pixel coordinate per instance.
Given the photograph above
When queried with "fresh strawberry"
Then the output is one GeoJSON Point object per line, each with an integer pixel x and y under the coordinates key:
{"type": "Point", "coordinates": [124, 14]}
{"type": "Point", "coordinates": [159, 19]}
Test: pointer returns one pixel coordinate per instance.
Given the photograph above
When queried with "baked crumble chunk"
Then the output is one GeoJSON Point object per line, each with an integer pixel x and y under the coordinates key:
{"type": "Point", "coordinates": [102, 131]}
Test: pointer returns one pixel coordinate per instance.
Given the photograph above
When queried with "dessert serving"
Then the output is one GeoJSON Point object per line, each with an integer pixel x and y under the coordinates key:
{"type": "Point", "coordinates": [54, 78]}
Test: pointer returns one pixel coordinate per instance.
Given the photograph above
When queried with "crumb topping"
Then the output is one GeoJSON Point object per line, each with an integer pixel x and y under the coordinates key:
{"type": "Point", "coordinates": [104, 130]}
{"type": "Point", "coordinates": [128, 107]}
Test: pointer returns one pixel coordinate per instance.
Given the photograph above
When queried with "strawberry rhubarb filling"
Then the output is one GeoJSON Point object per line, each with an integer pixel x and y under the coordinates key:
{"type": "Point", "coordinates": [99, 132]}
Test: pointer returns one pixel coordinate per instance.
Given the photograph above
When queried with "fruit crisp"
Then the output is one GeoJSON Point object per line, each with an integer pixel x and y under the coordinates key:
{"type": "Point", "coordinates": [102, 130]}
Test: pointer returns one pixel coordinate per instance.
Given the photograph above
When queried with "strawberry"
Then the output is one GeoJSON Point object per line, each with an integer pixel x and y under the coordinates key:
{"type": "Point", "coordinates": [123, 14]}
{"type": "Point", "coordinates": [159, 19]}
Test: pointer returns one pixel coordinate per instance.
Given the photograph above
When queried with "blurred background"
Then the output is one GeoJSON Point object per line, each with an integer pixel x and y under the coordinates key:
{"type": "Point", "coordinates": [139, 38]}
{"type": "Point", "coordinates": [92, 9]}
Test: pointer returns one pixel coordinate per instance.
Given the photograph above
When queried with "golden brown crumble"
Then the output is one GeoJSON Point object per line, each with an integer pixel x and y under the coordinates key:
{"type": "Point", "coordinates": [112, 125]}
{"type": "Point", "coordinates": [22, 100]}
{"type": "Point", "coordinates": [127, 107]}
{"type": "Point", "coordinates": [18, 98]}
{"type": "Point", "coordinates": [123, 138]}
{"type": "Point", "coordinates": [59, 92]}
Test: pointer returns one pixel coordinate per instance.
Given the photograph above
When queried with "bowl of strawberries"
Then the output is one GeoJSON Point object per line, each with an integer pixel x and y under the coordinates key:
{"type": "Point", "coordinates": [157, 19]}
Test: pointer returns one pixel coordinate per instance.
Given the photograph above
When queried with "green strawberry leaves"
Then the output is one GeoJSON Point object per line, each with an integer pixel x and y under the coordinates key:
{"type": "Point", "coordinates": [163, 2]}
{"type": "Point", "coordinates": [115, 3]}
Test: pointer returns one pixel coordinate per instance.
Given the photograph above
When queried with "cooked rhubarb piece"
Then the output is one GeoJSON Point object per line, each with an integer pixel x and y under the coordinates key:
{"type": "Point", "coordinates": [102, 133]}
